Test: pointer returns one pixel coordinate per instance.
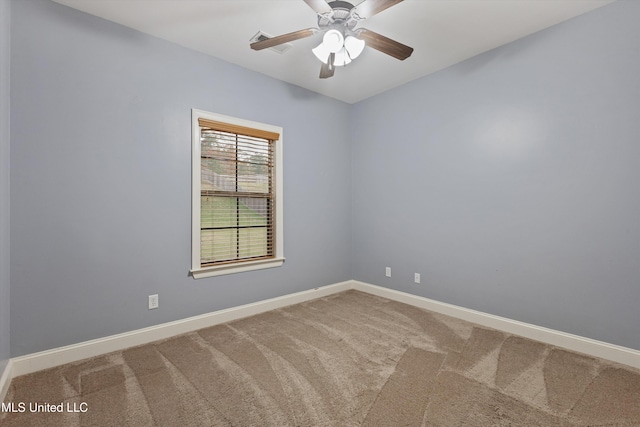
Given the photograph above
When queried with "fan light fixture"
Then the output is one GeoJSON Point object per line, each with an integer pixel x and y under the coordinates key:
{"type": "Point", "coordinates": [345, 49]}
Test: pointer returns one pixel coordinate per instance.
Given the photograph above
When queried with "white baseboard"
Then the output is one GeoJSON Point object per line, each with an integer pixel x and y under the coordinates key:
{"type": "Point", "coordinates": [571, 342]}
{"type": "Point", "coordinates": [59, 356]}
{"type": "Point", "coordinates": [50, 358]}
{"type": "Point", "coordinates": [5, 380]}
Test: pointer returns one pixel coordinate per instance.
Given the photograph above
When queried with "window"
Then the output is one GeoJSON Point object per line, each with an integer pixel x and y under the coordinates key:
{"type": "Point", "coordinates": [237, 195]}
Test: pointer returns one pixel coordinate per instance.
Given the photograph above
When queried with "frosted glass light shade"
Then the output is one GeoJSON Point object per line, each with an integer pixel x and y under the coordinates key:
{"type": "Point", "coordinates": [341, 58]}
{"type": "Point", "coordinates": [354, 46]}
{"type": "Point", "coordinates": [321, 52]}
{"type": "Point", "coordinates": [333, 40]}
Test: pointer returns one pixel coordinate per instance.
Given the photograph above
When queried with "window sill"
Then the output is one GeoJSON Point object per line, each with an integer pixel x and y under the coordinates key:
{"type": "Point", "coordinates": [236, 268]}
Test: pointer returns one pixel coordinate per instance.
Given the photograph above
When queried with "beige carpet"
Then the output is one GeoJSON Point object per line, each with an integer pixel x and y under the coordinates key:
{"type": "Point", "coordinates": [350, 359]}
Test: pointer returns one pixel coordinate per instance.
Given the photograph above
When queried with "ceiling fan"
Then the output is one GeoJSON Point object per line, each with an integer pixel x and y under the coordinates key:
{"type": "Point", "coordinates": [342, 42]}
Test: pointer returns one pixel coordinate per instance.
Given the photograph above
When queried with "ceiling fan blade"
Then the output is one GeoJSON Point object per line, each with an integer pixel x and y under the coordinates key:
{"type": "Point", "coordinates": [368, 8]}
{"type": "Point", "coordinates": [385, 44]}
{"type": "Point", "coordinates": [328, 69]}
{"type": "Point", "coordinates": [285, 38]}
{"type": "Point", "coordinates": [320, 6]}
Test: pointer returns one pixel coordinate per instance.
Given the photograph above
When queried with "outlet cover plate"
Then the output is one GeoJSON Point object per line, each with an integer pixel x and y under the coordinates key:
{"type": "Point", "coordinates": [153, 301]}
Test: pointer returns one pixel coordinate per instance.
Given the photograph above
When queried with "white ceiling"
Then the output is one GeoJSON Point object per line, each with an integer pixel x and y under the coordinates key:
{"type": "Point", "coordinates": [442, 32]}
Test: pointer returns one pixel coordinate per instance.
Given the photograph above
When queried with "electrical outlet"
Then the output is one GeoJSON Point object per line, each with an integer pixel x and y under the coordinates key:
{"type": "Point", "coordinates": [387, 272]}
{"type": "Point", "coordinates": [416, 277]}
{"type": "Point", "coordinates": [153, 301]}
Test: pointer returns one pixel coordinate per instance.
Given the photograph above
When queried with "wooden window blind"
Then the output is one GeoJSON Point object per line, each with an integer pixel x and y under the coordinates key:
{"type": "Point", "coordinates": [237, 193]}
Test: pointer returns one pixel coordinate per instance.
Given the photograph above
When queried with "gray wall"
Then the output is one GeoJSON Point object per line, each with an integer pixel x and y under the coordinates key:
{"type": "Point", "coordinates": [510, 181]}
{"type": "Point", "coordinates": [5, 60]}
{"type": "Point", "coordinates": [100, 179]}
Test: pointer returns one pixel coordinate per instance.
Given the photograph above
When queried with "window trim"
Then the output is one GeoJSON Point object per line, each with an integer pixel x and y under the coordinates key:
{"type": "Point", "coordinates": [197, 271]}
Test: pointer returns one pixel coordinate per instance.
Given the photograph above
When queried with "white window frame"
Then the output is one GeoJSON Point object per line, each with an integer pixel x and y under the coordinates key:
{"type": "Point", "coordinates": [197, 271]}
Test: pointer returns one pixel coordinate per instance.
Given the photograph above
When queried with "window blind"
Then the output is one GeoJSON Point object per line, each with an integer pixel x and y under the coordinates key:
{"type": "Point", "coordinates": [237, 206]}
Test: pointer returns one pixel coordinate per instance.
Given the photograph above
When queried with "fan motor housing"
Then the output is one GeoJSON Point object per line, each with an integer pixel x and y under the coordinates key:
{"type": "Point", "coordinates": [341, 15]}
